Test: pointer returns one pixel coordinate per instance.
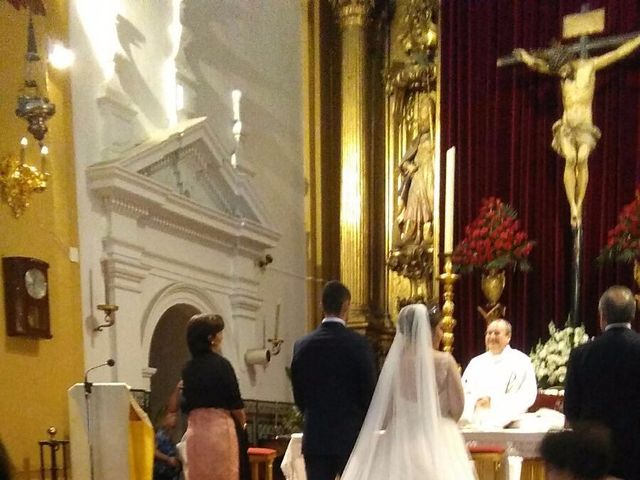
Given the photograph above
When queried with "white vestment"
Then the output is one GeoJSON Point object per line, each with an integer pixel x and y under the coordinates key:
{"type": "Point", "coordinates": [507, 378]}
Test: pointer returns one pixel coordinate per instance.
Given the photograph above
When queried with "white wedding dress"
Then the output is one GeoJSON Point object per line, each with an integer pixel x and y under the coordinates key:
{"type": "Point", "coordinates": [404, 435]}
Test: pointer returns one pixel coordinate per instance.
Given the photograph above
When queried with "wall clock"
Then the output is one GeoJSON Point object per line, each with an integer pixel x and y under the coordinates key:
{"type": "Point", "coordinates": [26, 296]}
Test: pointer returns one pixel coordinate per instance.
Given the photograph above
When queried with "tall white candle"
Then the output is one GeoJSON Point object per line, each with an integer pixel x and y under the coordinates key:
{"type": "Point", "coordinates": [236, 95]}
{"type": "Point", "coordinates": [23, 148]}
{"type": "Point", "coordinates": [275, 335]}
{"type": "Point", "coordinates": [44, 151]}
{"type": "Point", "coordinates": [264, 332]}
{"type": "Point", "coordinates": [448, 200]}
{"type": "Point", "coordinates": [104, 263]}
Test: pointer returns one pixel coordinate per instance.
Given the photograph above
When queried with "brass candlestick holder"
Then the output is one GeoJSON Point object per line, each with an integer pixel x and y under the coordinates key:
{"type": "Point", "coordinates": [276, 345]}
{"type": "Point", "coordinates": [448, 279]}
{"type": "Point", "coordinates": [109, 319]}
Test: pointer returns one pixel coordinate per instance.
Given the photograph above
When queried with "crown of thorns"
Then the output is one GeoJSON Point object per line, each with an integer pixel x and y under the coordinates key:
{"type": "Point", "coordinates": [557, 56]}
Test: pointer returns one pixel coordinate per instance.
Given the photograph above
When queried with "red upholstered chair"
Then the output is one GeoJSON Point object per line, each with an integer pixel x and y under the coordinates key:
{"type": "Point", "coordinates": [543, 400]}
{"type": "Point", "coordinates": [261, 456]}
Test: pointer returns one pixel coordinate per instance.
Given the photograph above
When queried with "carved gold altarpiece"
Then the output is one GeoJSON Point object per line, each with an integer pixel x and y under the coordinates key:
{"type": "Point", "coordinates": [372, 129]}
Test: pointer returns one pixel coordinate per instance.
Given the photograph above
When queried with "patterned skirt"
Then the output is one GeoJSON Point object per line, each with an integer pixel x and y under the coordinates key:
{"type": "Point", "coordinates": [210, 446]}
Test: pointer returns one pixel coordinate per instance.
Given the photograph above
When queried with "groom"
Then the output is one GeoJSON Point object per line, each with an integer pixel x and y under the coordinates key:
{"type": "Point", "coordinates": [333, 375]}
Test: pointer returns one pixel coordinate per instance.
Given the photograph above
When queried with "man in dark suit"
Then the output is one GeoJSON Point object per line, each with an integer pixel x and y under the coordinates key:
{"type": "Point", "coordinates": [603, 381]}
{"type": "Point", "coordinates": [333, 375]}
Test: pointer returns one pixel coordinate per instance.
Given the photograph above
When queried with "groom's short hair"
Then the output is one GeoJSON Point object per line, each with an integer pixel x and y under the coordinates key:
{"type": "Point", "coordinates": [334, 295]}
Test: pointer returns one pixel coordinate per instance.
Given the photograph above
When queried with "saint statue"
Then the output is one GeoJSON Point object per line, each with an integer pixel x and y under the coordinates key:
{"type": "Point", "coordinates": [574, 134]}
{"type": "Point", "coordinates": [415, 195]}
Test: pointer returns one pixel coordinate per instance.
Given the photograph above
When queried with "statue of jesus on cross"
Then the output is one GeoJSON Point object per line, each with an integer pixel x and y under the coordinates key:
{"type": "Point", "coordinates": [574, 134]}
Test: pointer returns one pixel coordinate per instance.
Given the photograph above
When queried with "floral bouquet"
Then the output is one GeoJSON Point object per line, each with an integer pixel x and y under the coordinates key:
{"type": "Point", "coordinates": [494, 240]}
{"type": "Point", "coordinates": [550, 359]}
{"type": "Point", "coordinates": [623, 240]}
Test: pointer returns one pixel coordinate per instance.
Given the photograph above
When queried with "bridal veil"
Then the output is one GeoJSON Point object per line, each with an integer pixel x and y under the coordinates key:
{"type": "Point", "coordinates": [404, 435]}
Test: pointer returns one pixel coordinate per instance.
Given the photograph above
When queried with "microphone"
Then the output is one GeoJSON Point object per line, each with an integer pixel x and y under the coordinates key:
{"type": "Point", "coordinates": [87, 384]}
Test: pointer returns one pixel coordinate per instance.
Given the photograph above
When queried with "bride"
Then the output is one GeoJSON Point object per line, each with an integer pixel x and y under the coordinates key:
{"type": "Point", "coordinates": [404, 434]}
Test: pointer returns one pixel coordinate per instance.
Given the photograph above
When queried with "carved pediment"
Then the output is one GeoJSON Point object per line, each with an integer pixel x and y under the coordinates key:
{"type": "Point", "coordinates": [181, 177]}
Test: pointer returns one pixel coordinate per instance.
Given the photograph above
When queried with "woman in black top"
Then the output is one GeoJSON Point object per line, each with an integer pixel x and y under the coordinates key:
{"type": "Point", "coordinates": [211, 398]}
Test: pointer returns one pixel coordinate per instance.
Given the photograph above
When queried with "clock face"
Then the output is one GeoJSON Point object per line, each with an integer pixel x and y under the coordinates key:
{"type": "Point", "coordinates": [36, 283]}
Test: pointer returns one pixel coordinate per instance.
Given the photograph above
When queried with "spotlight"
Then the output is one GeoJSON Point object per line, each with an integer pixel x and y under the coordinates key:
{"type": "Point", "coordinates": [263, 262]}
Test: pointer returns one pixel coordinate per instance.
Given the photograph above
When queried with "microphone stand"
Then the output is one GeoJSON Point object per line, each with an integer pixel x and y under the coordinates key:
{"type": "Point", "coordinates": [87, 402]}
{"type": "Point", "coordinates": [88, 389]}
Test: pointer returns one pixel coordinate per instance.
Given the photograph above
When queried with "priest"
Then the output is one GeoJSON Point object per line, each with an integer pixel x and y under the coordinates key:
{"type": "Point", "coordinates": [499, 384]}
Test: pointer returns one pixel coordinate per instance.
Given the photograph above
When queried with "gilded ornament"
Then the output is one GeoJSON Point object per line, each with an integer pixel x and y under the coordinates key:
{"type": "Point", "coordinates": [492, 283]}
{"type": "Point", "coordinates": [18, 181]}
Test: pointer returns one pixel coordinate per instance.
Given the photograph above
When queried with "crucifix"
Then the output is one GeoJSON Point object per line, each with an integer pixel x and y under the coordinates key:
{"type": "Point", "coordinates": [574, 134]}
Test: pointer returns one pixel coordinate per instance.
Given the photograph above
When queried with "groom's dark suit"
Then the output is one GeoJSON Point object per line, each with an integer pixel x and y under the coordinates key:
{"type": "Point", "coordinates": [333, 374]}
{"type": "Point", "coordinates": [603, 385]}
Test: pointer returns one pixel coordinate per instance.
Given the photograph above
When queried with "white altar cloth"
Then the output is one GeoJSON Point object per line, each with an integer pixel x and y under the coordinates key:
{"type": "Point", "coordinates": [517, 441]}
{"type": "Point", "coordinates": [293, 462]}
{"type": "Point", "coordinates": [523, 443]}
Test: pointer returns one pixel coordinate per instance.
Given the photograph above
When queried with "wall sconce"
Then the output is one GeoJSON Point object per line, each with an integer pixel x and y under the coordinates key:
{"type": "Point", "coordinates": [109, 309]}
{"type": "Point", "coordinates": [276, 343]}
{"type": "Point", "coordinates": [262, 356]}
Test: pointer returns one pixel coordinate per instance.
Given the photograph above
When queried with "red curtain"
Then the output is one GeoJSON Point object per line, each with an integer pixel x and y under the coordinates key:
{"type": "Point", "coordinates": [500, 122]}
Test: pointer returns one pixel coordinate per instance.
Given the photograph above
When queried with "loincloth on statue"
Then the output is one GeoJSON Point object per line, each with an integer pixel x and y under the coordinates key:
{"type": "Point", "coordinates": [578, 135]}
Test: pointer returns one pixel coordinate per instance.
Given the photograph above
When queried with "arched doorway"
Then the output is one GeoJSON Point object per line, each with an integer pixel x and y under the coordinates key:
{"type": "Point", "coordinates": [168, 353]}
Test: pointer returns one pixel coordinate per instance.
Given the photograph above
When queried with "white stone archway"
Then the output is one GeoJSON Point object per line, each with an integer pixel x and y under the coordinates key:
{"type": "Point", "coordinates": [175, 294]}
{"type": "Point", "coordinates": [181, 226]}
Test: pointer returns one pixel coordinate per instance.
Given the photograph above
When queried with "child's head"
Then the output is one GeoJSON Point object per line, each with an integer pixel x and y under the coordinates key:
{"type": "Point", "coordinates": [581, 453]}
{"type": "Point", "coordinates": [166, 420]}
{"type": "Point", "coordinates": [170, 420]}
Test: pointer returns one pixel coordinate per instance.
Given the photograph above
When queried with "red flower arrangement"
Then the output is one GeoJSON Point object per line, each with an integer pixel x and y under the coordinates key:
{"type": "Point", "coordinates": [623, 240]}
{"type": "Point", "coordinates": [494, 240]}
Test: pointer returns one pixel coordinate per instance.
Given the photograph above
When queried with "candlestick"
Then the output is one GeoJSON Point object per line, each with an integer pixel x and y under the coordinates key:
{"type": "Point", "coordinates": [275, 335]}
{"type": "Point", "coordinates": [448, 200]}
{"type": "Point", "coordinates": [236, 95]}
{"type": "Point", "coordinates": [264, 332]}
{"type": "Point", "coordinates": [23, 149]}
{"type": "Point", "coordinates": [44, 151]}
{"type": "Point", "coordinates": [237, 130]}
{"type": "Point", "coordinates": [104, 263]}
{"type": "Point", "coordinates": [448, 278]}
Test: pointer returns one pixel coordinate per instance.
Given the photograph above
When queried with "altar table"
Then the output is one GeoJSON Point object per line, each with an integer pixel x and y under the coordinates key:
{"type": "Point", "coordinates": [515, 441]}
{"type": "Point", "coordinates": [489, 467]}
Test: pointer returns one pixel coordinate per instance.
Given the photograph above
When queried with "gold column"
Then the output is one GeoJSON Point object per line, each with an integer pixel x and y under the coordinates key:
{"type": "Point", "coordinates": [354, 184]}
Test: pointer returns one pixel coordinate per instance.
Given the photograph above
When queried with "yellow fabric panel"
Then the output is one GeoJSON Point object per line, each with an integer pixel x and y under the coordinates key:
{"type": "Point", "coordinates": [141, 443]}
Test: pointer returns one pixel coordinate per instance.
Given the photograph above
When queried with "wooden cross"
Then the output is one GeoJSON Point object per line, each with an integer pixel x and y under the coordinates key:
{"type": "Point", "coordinates": [583, 24]}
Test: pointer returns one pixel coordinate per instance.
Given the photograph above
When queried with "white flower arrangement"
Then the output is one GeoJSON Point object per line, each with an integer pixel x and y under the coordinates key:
{"type": "Point", "coordinates": [550, 359]}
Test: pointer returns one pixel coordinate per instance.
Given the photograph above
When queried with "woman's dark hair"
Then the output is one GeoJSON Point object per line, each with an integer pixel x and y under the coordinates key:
{"type": "Point", "coordinates": [584, 451]}
{"type": "Point", "coordinates": [200, 331]}
{"type": "Point", "coordinates": [435, 314]}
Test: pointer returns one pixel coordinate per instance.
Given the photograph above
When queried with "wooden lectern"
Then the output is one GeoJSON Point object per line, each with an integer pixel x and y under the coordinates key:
{"type": "Point", "coordinates": [111, 436]}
